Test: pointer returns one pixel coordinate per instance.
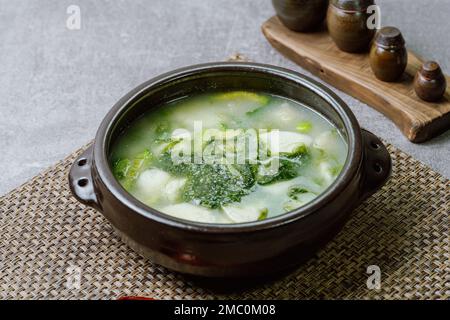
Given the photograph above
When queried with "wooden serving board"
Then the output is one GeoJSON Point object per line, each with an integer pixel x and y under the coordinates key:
{"type": "Point", "coordinates": [351, 73]}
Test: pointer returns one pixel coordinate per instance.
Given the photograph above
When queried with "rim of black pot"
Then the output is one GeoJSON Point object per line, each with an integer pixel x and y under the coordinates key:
{"type": "Point", "coordinates": [351, 166]}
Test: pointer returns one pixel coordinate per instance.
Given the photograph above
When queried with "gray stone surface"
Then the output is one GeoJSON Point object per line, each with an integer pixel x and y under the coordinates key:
{"type": "Point", "coordinates": [56, 85]}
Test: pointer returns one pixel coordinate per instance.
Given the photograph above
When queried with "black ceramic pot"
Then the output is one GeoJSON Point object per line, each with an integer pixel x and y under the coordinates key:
{"type": "Point", "coordinates": [301, 15]}
{"type": "Point", "coordinates": [347, 24]}
{"type": "Point", "coordinates": [235, 250]}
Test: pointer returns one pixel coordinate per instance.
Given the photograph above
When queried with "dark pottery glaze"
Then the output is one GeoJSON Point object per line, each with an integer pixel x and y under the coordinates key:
{"type": "Point", "coordinates": [388, 55]}
{"type": "Point", "coordinates": [236, 250]}
{"type": "Point", "coordinates": [301, 15]}
{"type": "Point", "coordinates": [347, 24]}
{"type": "Point", "coordinates": [430, 83]}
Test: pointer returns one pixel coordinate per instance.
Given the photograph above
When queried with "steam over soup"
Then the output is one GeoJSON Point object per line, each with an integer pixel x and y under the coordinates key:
{"type": "Point", "coordinates": [228, 157]}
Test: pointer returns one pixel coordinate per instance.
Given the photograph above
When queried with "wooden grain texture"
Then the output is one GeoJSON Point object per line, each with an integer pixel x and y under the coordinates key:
{"type": "Point", "coordinates": [351, 73]}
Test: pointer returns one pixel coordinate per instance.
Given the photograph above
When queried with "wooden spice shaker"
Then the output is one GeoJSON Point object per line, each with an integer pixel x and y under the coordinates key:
{"type": "Point", "coordinates": [347, 24]}
{"type": "Point", "coordinates": [388, 55]}
{"type": "Point", "coordinates": [430, 83]}
{"type": "Point", "coordinates": [301, 15]}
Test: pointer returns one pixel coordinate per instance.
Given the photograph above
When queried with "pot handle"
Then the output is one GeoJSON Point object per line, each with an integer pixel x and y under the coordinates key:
{"type": "Point", "coordinates": [81, 182]}
{"type": "Point", "coordinates": [377, 164]}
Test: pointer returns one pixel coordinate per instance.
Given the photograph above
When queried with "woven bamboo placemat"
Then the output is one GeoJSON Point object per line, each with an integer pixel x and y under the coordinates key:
{"type": "Point", "coordinates": [53, 247]}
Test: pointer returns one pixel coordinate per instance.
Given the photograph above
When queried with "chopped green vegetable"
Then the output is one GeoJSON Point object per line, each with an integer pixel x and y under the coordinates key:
{"type": "Point", "coordinates": [121, 167]}
{"type": "Point", "coordinates": [322, 156]}
{"type": "Point", "coordinates": [291, 205]}
{"type": "Point", "coordinates": [162, 132]}
{"type": "Point", "coordinates": [263, 214]}
{"type": "Point", "coordinates": [171, 144]}
{"type": "Point", "coordinates": [253, 112]}
{"type": "Point", "coordinates": [256, 111]}
{"type": "Point", "coordinates": [261, 100]}
{"type": "Point", "coordinates": [304, 127]}
{"type": "Point", "coordinates": [127, 171]}
{"type": "Point", "coordinates": [294, 191]}
{"type": "Point", "coordinates": [299, 152]}
{"type": "Point", "coordinates": [162, 127]}
{"type": "Point", "coordinates": [224, 126]}
{"type": "Point", "coordinates": [243, 95]}
{"type": "Point", "coordinates": [336, 170]}
{"type": "Point", "coordinates": [319, 181]}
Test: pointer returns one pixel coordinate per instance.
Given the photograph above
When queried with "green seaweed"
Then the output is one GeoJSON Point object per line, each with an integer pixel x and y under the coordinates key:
{"type": "Point", "coordinates": [215, 185]}
{"type": "Point", "coordinates": [290, 166]}
{"type": "Point", "coordinates": [179, 169]}
{"type": "Point", "coordinates": [211, 185]}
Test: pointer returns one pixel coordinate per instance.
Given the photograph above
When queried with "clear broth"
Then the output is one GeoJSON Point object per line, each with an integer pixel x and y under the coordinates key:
{"type": "Point", "coordinates": [308, 150]}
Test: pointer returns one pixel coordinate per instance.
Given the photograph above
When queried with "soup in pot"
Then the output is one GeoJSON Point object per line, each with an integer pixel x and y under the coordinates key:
{"type": "Point", "coordinates": [228, 157]}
